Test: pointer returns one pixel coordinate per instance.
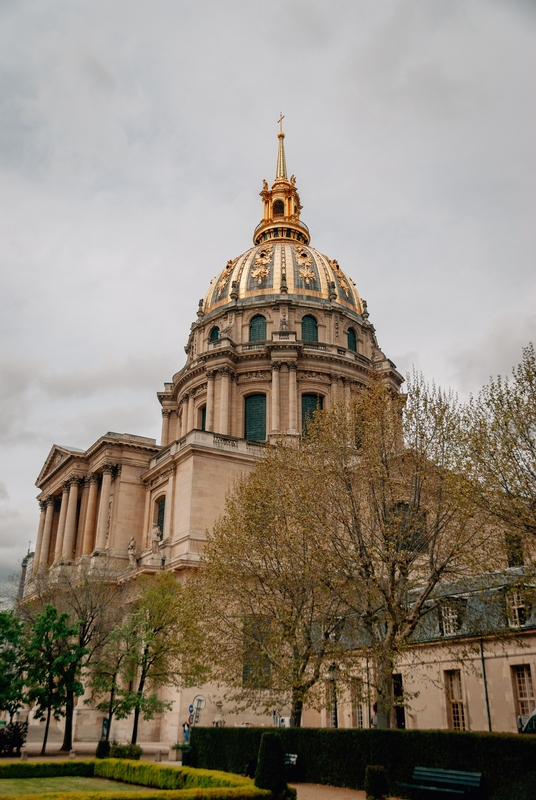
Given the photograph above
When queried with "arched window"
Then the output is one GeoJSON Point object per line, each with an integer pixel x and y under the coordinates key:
{"type": "Point", "coordinates": [309, 329]}
{"type": "Point", "coordinates": [214, 334]}
{"type": "Point", "coordinates": [257, 329]}
{"type": "Point", "coordinates": [352, 340]}
{"type": "Point", "coordinates": [255, 418]}
{"type": "Point", "coordinates": [309, 404]}
{"type": "Point", "coordinates": [160, 512]}
{"type": "Point", "coordinates": [203, 418]}
{"type": "Point", "coordinates": [279, 208]}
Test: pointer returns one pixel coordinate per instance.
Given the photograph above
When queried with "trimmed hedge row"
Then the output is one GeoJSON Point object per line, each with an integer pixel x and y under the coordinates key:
{"type": "Point", "coordinates": [160, 777]}
{"type": "Point", "coordinates": [340, 757]}
{"type": "Point", "coordinates": [46, 769]}
{"type": "Point", "coordinates": [241, 793]}
{"type": "Point", "coordinates": [181, 783]}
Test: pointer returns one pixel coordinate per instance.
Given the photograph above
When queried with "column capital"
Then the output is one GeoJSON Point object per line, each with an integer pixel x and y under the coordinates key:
{"type": "Point", "coordinates": [43, 503]}
{"type": "Point", "coordinates": [65, 487]}
{"type": "Point", "coordinates": [50, 500]}
{"type": "Point", "coordinates": [166, 412]}
{"type": "Point", "coordinates": [225, 371]}
{"type": "Point", "coordinates": [107, 469]}
{"type": "Point", "coordinates": [74, 480]}
{"type": "Point", "coordinates": [211, 374]}
{"type": "Point", "coordinates": [93, 477]}
{"type": "Point", "coordinates": [276, 366]}
{"type": "Point", "coordinates": [292, 366]}
{"type": "Point", "coordinates": [184, 398]}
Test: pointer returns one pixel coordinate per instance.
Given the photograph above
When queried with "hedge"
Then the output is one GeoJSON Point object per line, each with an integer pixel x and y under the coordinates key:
{"type": "Point", "coordinates": [340, 757]}
{"type": "Point", "coordinates": [181, 783]}
{"type": "Point", "coordinates": [46, 769]}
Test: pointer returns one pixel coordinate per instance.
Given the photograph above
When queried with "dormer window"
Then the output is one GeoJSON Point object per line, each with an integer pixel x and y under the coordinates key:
{"type": "Point", "coordinates": [279, 208]}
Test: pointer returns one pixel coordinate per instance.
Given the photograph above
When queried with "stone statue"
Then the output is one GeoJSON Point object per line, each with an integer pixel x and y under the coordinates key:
{"type": "Point", "coordinates": [155, 539]}
{"type": "Point", "coordinates": [264, 186]}
{"type": "Point", "coordinates": [293, 180]}
{"type": "Point", "coordinates": [132, 548]}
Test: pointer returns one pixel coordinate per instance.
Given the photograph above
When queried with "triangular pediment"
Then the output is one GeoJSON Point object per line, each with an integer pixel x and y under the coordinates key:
{"type": "Point", "coordinates": [55, 458]}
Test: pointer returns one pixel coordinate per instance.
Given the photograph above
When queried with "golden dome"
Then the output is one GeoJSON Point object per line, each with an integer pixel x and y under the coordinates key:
{"type": "Point", "coordinates": [277, 268]}
{"type": "Point", "coordinates": [282, 262]}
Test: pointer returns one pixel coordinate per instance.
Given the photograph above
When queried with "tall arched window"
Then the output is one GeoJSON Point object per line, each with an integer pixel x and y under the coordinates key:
{"type": "Point", "coordinates": [255, 418]}
{"type": "Point", "coordinates": [352, 340]}
{"type": "Point", "coordinates": [309, 329]}
{"type": "Point", "coordinates": [309, 404]}
{"type": "Point", "coordinates": [257, 329]}
{"type": "Point", "coordinates": [203, 418]}
{"type": "Point", "coordinates": [160, 512]}
{"type": "Point", "coordinates": [279, 208]}
{"type": "Point", "coordinates": [214, 334]}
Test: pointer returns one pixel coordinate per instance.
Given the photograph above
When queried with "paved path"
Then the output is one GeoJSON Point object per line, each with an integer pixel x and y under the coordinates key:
{"type": "Point", "coordinates": [315, 791]}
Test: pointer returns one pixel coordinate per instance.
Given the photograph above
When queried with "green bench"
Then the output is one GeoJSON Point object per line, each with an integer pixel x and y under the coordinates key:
{"type": "Point", "coordinates": [428, 782]}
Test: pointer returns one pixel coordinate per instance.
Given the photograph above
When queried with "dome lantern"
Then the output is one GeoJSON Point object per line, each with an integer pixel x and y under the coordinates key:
{"type": "Point", "coordinates": [281, 204]}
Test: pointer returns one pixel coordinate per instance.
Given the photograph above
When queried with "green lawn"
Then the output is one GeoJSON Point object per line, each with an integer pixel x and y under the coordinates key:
{"type": "Point", "coordinates": [65, 784]}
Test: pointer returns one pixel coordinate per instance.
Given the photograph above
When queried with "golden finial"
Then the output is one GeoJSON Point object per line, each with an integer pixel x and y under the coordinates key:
{"type": "Point", "coordinates": [281, 170]}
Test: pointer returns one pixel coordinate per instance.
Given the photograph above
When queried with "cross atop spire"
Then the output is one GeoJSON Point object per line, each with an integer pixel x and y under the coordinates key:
{"type": "Point", "coordinates": [281, 169]}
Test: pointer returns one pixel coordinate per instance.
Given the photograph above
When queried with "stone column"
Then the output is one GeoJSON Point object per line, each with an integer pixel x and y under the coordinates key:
{"type": "Point", "coordinates": [39, 538]}
{"type": "Point", "coordinates": [292, 397]}
{"type": "Point", "coordinates": [276, 367]}
{"type": "Point", "coordinates": [47, 533]}
{"type": "Point", "coordinates": [165, 426]}
{"type": "Point", "coordinates": [225, 385]}
{"type": "Point", "coordinates": [209, 422]}
{"type": "Point", "coordinates": [184, 415]}
{"type": "Point", "coordinates": [70, 521]}
{"type": "Point", "coordinates": [190, 423]}
{"type": "Point", "coordinates": [347, 390]}
{"type": "Point", "coordinates": [334, 389]}
{"type": "Point", "coordinates": [61, 524]}
{"type": "Point", "coordinates": [102, 522]}
{"type": "Point", "coordinates": [91, 515]}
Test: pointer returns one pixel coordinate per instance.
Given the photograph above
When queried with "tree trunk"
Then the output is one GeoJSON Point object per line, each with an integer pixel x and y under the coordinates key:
{"type": "Point", "coordinates": [296, 710]}
{"type": "Point", "coordinates": [69, 713]}
{"type": "Point", "coordinates": [384, 687]}
{"type": "Point", "coordinates": [45, 737]}
{"type": "Point", "coordinates": [137, 711]}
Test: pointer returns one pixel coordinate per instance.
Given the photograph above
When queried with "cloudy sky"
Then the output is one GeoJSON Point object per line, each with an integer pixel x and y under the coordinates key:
{"type": "Point", "coordinates": [134, 137]}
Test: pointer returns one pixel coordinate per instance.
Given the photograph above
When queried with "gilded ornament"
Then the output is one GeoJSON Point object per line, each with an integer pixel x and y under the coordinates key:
{"type": "Point", "coordinates": [260, 265]}
{"type": "Point", "coordinates": [222, 283]}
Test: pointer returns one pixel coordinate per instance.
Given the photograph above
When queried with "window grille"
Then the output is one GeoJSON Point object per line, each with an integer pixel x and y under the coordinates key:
{"type": "Point", "coordinates": [516, 610]}
{"type": "Point", "coordinates": [352, 340]}
{"type": "Point", "coordinates": [255, 418]}
{"type": "Point", "coordinates": [523, 690]}
{"type": "Point", "coordinates": [309, 329]}
{"type": "Point", "coordinates": [310, 404]}
{"type": "Point", "coordinates": [455, 709]}
{"type": "Point", "coordinates": [257, 329]}
{"type": "Point", "coordinates": [214, 334]}
{"type": "Point", "coordinates": [451, 617]}
{"type": "Point", "coordinates": [160, 514]}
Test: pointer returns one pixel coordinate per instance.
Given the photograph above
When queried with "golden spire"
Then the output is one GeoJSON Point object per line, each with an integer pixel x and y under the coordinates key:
{"type": "Point", "coordinates": [281, 169]}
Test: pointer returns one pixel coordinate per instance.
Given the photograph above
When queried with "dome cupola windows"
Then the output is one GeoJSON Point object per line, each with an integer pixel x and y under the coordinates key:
{"type": "Point", "coordinates": [309, 329]}
{"type": "Point", "coordinates": [214, 334]}
{"type": "Point", "coordinates": [257, 329]}
{"type": "Point", "coordinates": [255, 417]}
{"type": "Point", "coordinates": [279, 208]}
{"type": "Point", "coordinates": [352, 340]}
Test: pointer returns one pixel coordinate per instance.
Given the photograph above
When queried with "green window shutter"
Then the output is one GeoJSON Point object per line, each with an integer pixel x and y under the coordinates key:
{"type": "Point", "coordinates": [257, 329]}
{"type": "Point", "coordinates": [160, 513]}
{"type": "Point", "coordinates": [214, 334]}
{"type": "Point", "coordinates": [309, 404]}
{"type": "Point", "coordinates": [309, 329]}
{"type": "Point", "coordinates": [255, 418]}
{"type": "Point", "coordinates": [352, 340]}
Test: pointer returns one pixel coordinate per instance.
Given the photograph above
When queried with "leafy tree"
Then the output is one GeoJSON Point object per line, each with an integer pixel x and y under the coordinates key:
{"type": "Point", "coordinates": [502, 450]}
{"type": "Point", "coordinates": [274, 624]}
{"type": "Point", "coordinates": [397, 515]}
{"type": "Point", "coordinates": [162, 637]}
{"type": "Point", "coordinates": [53, 656]}
{"type": "Point", "coordinates": [11, 664]}
{"type": "Point", "coordinates": [89, 594]}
